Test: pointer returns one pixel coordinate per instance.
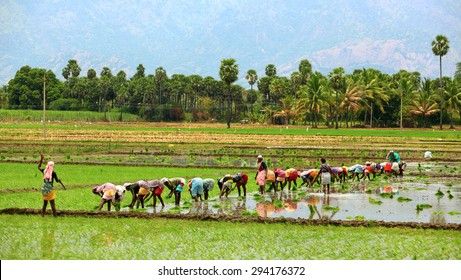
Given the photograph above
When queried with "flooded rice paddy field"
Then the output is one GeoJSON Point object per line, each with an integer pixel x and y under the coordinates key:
{"type": "Point", "coordinates": [337, 206]}
{"type": "Point", "coordinates": [427, 197]}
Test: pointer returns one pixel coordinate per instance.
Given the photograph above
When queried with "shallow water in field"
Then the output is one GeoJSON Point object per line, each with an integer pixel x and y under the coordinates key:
{"type": "Point", "coordinates": [357, 205]}
{"type": "Point", "coordinates": [378, 204]}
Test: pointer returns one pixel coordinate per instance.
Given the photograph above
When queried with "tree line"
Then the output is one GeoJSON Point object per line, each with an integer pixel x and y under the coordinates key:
{"type": "Point", "coordinates": [366, 97]}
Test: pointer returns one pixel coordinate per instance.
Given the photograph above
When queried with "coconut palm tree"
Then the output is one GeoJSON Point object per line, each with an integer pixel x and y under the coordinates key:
{"type": "Point", "coordinates": [405, 88]}
{"type": "Point", "coordinates": [312, 98]}
{"type": "Point", "coordinates": [373, 90]}
{"type": "Point", "coordinates": [453, 98]}
{"type": "Point", "coordinates": [288, 109]}
{"type": "Point", "coordinates": [424, 103]}
{"type": "Point", "coordinates": [352, 98]}
{"type": "Point", "coordinates": [440, 47]}
{"type": "Point", "coordinates": [228, 72]}
{"type": "Point", "coordinates": [336, 77]}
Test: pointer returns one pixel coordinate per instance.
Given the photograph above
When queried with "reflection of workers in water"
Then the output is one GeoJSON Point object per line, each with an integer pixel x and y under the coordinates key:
{"type": "Point", "coordinates": [290, 206]}
{"type": "Point", "coordinates": [265, 209]}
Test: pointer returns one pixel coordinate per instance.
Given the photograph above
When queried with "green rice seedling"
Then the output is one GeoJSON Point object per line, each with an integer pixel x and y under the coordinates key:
{"type": "Point", "coordinates": [374, 201]}
{"type": "Point", "coordinates": [246, 213]}
{"type": "Point", "coordinates": [420, 207]}
{"type": "Point", "coordinates": [450, 196]}
{"type": "Point", "coordinates": [250, 213]}
{"type": "Point", "coordinates": [330, 208]}
{"type": "Point", "coordinates": [356, 218]}
{"type": "Point", "coordinates": [403, 199]}
{"type": "Point", "coordinates": [439, 193]}
{"type": "Point", "coordinates": [386, 195]}
{"type": "Point", "coordinates": [420, 168]}
{"type": "Point", "coordinates": [453, 213]}
{"type": "Point", "coordinates": [186, 205]}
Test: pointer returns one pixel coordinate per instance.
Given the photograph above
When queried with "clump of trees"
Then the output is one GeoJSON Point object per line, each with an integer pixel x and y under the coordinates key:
{"type": "Point", "coordinates": [366, 97]}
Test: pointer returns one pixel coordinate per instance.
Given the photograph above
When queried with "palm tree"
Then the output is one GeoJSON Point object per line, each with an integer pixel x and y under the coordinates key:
{"type": "Point", "coordinates": [271, 71]}
{"type": "Point", "coordinates": [228, 72]}
{"type": "Point", "coordinates": [295, 80]}
{"type": "Point", "coordinates": [251, 77]}
{"type": "Point", "coordinates": [374, 94]}
{"type": "Point", "coordinates": [160, 78]}
{"type": "Point", "coordinates": [269, 112]}
{"type": "Point", "coordinates": [336, 77]}
{"type": "Point", "coordinates": [453, 98]}
{"type": "Point", "coordinates": [279, 88]}
{"type": "Point", "coordinates": [440, 48]}
{"type": "Point", "coordinates": [458, 71]}
{"type": "Point", "coordinates": [288, 106]}
{"type": "Point", "coordinates": [312, 97]}
{"type": "Point", "coordinates": [305, 69]}
{"type": "Point", "coordinates": [424, 104]}
{"type": "Point", "coordinates": [405, 88]}
{"type": "Point", "coordinates": [352, 98]}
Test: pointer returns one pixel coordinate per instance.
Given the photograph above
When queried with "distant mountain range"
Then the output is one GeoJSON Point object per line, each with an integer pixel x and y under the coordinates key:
{"type": "Point", "coordinates": [192, 37]}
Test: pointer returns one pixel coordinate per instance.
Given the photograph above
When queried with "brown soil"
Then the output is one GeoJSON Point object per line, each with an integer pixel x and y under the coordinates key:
{"type": "Point", "coordinates": [242, 219]}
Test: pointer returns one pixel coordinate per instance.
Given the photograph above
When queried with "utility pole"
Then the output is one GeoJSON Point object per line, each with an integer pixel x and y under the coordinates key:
{"type": "Point", "coordinates": [44, 106]}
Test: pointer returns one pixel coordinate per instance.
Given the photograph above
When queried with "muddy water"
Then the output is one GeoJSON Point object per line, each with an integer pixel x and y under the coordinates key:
{"type": "Point", "coordinates": [378, 204]}
{"type": "Point", "coordinates": [356, 205]}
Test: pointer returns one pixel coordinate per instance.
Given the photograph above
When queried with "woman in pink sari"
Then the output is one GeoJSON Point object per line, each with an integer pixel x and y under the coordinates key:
{"type": "Point", "coordinates": [261, 175]}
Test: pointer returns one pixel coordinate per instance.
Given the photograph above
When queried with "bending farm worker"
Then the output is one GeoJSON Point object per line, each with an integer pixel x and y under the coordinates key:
{"type": "Point", "coordinates": [208, 185]}
{"type": "Point", "coordinates": [196, 188]}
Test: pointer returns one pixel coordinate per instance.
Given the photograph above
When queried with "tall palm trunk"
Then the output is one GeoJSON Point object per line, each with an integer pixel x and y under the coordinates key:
{"type": "Point", "coordinates": [441, 96]}
{"type": "Point", "coordinates": [229, 107]}
{"type": "Point", "coordinates": [371, 115]}
{"type": "Point", "coordinates": [401, 109]}
{"type": "Point", "coordinates": [337, 110]}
